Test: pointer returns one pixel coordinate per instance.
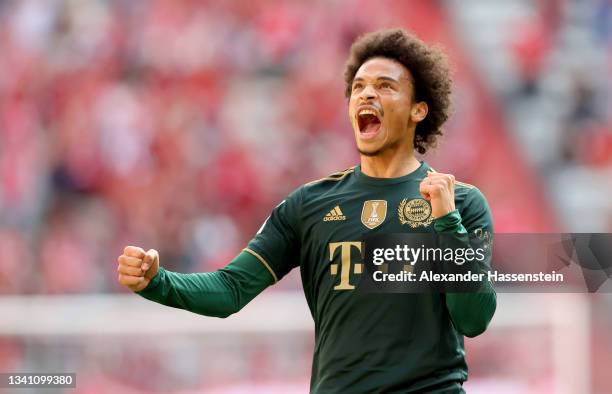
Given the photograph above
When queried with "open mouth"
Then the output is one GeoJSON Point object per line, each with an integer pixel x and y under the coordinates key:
{"type": "Point", "coordinates": [369, 123]}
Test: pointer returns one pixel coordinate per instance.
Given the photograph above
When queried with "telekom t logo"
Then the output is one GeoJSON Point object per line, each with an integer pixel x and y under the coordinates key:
{"type": "Point", "coordinates": [345, 263]}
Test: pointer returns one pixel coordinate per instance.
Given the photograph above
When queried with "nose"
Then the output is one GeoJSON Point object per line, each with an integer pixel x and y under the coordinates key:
{"type": "Point", "coordinates": [368, 93]}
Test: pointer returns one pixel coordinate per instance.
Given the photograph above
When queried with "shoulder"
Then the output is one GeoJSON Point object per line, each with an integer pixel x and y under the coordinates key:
{"type": "Point", "coordinates": [334, 177]}
{"type": "Point", "coordinates": [464, 186]}
{"type": "Point", "coordinates": [328, 182]}
{"type": "Point", "coordinates": [473, 207]}
{"type": "Point", "coordinates": [316, 187]}
{"type": "Point", "coordinates": [465, 192]}
{"type": "Point", "coordinates": [467, 195]}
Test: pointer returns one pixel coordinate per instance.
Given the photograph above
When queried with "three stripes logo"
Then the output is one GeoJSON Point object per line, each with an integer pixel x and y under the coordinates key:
{"type": "Point", "coordinates": [334, 214]}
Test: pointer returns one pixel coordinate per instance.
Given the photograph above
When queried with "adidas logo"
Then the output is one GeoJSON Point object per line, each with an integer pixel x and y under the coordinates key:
{"type": "Point", "coordinates": [334, 214]}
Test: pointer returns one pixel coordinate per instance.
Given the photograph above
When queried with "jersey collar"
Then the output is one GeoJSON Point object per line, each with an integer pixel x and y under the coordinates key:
{"type": "Point", "coordinates": [417, 174]}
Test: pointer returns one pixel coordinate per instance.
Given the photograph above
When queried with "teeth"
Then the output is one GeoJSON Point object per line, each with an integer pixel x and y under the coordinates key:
{"type": "Point", "coordinates": [366, 112]}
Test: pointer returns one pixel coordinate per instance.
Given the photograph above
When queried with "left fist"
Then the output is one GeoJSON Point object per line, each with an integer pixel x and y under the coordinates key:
{"type": "Point", "coordinates": [439, 190]}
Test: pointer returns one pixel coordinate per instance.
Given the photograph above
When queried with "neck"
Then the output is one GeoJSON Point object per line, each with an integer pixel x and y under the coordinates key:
{"type": "Point", "coordinates": [391, 163]}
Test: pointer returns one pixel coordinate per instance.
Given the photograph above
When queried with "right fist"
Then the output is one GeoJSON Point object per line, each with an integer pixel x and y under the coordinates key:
{"type": "Point", "coordinates": [136, 267]}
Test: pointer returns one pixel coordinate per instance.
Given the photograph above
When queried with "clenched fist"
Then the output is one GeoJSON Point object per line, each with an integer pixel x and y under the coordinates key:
{"type": "Point", "coordinates": [439, 190]}
{"type": "Point", "coordinates": [136, 267]}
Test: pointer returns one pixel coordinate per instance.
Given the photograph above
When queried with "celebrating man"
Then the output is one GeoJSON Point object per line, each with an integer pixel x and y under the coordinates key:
{"type": "Point", "coordinates": [398, 92]}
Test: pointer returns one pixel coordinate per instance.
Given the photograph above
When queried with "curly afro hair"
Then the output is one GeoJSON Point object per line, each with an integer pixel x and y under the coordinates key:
{"type": "Point", "coordinates": [429, 69]}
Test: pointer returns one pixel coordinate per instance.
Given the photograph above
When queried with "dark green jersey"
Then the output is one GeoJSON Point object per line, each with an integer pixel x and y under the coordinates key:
{"type": "Point", "coordinates": [367, 342]}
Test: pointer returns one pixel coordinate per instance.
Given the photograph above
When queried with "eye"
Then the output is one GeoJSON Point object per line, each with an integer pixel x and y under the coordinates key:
{"type": "Point", "coordinates": [357, 85]}
{"type": "Point", "coordinates": [385, 85]}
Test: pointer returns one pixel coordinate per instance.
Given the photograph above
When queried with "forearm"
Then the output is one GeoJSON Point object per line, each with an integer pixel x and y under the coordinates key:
{"type": "Point", "coordinates": [218, 293]}
{"type": "Point", "coordinates": [471, 312]}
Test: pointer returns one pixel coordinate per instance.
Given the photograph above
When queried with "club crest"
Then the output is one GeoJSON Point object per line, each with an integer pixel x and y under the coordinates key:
{"type": "Point", "coordinates": [415, 212]}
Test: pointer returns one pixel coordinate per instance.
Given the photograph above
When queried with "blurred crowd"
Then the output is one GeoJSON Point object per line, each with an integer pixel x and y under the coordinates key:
{"type": "Point", "coordinates": [173, 125]}
{"type": "Point", "coordinates": [549, 63]}
{"type": "Point", "coordinates": [178, 125]}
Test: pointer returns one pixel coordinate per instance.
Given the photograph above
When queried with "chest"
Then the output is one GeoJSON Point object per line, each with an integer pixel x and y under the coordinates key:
{"type": "Point", "coordinates": [353, 216]}
{"type": "Point", "coordinates": [336, 225]}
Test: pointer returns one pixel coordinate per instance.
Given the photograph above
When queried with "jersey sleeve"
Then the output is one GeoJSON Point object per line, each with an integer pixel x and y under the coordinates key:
{"type": "Point", "coordinates": [471, 312]}
{"type": "Point", "coordinates": [277, 243]}
{"type": "Point", "coordinates": [468, 226]}
{"type": "Point", "coordinates": [220, 293]}
{"type": "Point", "coordinates": [476, 214]}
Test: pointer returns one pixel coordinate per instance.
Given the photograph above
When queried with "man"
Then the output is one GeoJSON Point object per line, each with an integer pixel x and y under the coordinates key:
{"type": "Point", "coordinates": [399, 96]}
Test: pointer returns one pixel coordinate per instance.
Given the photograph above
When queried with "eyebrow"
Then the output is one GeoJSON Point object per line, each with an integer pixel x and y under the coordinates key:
{"type": "Point", "coordinates": [378, 79]}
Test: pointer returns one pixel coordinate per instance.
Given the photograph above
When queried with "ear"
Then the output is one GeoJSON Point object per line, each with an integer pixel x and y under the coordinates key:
{"type": "Point", "coordinates": [419, 111]}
